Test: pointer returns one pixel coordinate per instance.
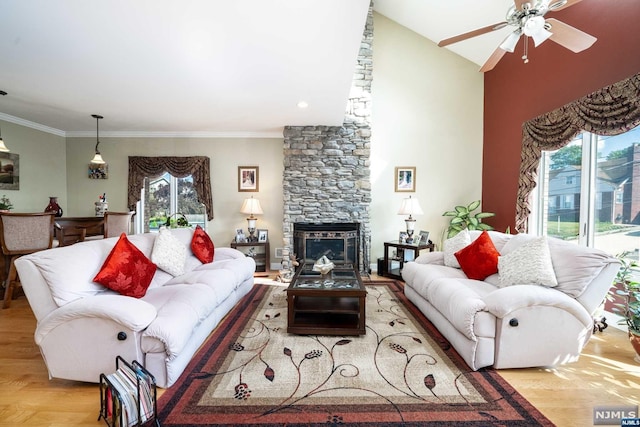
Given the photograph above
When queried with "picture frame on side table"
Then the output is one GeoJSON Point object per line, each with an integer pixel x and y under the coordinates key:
{"type": "Point", "coordinates": [263, 235]}
{"type": "Point", "coordinates": [405, 179]}
{"type": "Point", "coordinates": [240, 236]}
{"type": "Point", "coordinates": [424, 237]}
{"type": "Point", "coordinates": [248, 178]}
{"type": "Point", "coordinates": [402, 237]}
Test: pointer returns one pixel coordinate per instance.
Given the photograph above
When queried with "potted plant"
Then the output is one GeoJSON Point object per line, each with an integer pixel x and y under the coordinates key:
{"type": "Point", "coordinates": [5, 204]}
{"type": "Point", "coordinates": [625, 295]}
{"type": "Point", "coordinates": [463, 217]}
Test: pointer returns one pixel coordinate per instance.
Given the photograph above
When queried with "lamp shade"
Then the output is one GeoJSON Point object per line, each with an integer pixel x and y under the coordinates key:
{"type": "Point", "coordinates": [410, 207]}
{"type": "Point", "coordinates": [251, 206]}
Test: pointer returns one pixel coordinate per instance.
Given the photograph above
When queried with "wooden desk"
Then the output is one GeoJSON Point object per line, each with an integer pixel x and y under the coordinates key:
{"type": "Point", "coordinates": [71, 230]}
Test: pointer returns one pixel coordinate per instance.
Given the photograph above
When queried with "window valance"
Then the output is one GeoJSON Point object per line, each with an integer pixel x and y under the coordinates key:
{"type": "Point", "coordinates": [612, 110]}
{"type": "Point", "coordinates": [180, 167]}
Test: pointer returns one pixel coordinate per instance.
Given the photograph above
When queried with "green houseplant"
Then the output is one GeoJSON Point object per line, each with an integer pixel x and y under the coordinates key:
{"type": "Point", "coordinates": [5, 203]}
{"type": "Point", "coordinates": [625, 295]}
{"type": "Point", "coordinates": [464, 217]}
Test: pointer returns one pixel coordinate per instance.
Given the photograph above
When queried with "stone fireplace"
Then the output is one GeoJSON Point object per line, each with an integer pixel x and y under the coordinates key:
{"type": "Point", "coordinates": [326, 168]}
{"type": "Point", "coordinates": [337, 241]}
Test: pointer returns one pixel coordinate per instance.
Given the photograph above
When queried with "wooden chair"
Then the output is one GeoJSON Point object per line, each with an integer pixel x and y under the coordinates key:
{"type": "Point", "coordinates": [21, 234]}
{"type": "Point", "coordinates": [116, 223]}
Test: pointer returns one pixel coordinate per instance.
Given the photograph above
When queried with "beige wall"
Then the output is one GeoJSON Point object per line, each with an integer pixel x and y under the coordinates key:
{"type": "Point", "coordinates": [226, 155]}
{"type": "Point", "coordinates": [427, 112]}
{"type": "Point", "coordinates": [43, 166]}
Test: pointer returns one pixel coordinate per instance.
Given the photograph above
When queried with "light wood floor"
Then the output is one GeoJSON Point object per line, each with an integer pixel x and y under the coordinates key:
{"type": "Point", "coordinates": [606, 374]}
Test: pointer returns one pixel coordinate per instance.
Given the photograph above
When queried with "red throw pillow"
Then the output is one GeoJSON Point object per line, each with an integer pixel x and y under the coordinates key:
{"type": "Point", "coordinates": [479, 260]}
{"type": "Point", "coordinates": [126, 270]}
{"type": "Point", "coordinates": [202, 246]}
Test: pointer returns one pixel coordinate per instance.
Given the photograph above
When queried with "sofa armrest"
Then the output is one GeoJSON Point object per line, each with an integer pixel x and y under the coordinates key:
{"type": "Point", "coordinates": [431, 258]}
{"type": "Point", "coordinates": [134, 314]}
{"type": "Point", "coordinates": [227, 253]}
{"type": "Point", "coordinates": [504, 301]}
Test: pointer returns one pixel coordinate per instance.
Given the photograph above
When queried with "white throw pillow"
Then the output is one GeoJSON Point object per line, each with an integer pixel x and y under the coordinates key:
{"type": "Point", "coordinates": [529, 264]}
{"type": "Point", "coordinates": [169, 253]}
{"type": "Point", "coordinates": [453, 245]}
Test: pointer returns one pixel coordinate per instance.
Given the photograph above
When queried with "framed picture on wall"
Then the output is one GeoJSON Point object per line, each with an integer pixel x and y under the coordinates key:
{"type": "Point", "coordinates": [9, 171]}
{"type": "Point", "coordinates": [405, 179]}
{"type": "Point", "coordinates": [98, 171]}
{"type": "Point", "coordinates": [248, 178]}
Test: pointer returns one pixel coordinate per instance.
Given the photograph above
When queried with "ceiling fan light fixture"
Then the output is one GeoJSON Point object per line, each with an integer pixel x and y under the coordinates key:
{"type": "Point", "coordinates": [509, 44]}
{"type": "Point", "coordinates": [540, 37]}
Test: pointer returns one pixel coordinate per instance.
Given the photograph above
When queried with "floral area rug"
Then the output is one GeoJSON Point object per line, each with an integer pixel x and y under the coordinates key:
{"type": "Point", "coordinates": [401, 373]}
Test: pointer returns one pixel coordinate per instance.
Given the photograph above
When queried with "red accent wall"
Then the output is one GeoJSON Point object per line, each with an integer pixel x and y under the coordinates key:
{"type": "Point", "coordinates": [516, 92]}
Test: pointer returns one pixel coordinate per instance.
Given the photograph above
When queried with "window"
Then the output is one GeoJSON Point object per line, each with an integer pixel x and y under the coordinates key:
{"type": "Point", "coordinates": [169, 198]}
{"type": "Point", "coordinates": [596, 179]}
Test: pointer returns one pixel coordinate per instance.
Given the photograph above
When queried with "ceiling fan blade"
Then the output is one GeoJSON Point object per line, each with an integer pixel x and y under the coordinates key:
{"type": "Point", "coordinates": [570, 37]}
{"type": "Point", "coordinates": [493, 60]}
{"type": "Point", "coordinates": [518, 3]}
{"type": "Point", "coordinates": [471, 34]}
{"type": "Point", "coordinates": [564, 6]}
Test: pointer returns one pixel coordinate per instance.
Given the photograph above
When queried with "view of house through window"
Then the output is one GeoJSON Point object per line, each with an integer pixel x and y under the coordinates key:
{"type": "Point", "coordinates": [589, 192]}
{"type": "Point", "coordinates": [169, 200]}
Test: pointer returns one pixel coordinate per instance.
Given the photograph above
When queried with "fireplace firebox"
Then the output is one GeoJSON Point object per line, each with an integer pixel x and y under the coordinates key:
{"type": "Point", "coordinates": [339, 242]}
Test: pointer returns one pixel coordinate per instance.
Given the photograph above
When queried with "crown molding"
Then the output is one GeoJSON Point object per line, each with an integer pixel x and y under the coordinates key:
{"type": "Point", "coordinates": [194, 134]}
{"type": "Point", "coordinates": [32, 125]}
{"type": "Point", "coordinates": [138, 134]}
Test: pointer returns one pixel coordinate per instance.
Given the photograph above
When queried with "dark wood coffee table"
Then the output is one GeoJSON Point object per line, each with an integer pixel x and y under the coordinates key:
{"type": "Point", "coordinates": [333, 304]}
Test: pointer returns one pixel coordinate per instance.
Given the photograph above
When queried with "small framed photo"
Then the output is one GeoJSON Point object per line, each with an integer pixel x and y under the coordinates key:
{"type": "Point", "coordinates": [263, 235]}
{"type": "Point", "coordinates": [9, 171]}
{"type": "Point", "coordinates": [424, 237]}
{"type": "Point", "coordinates": [98, 171]}
{"type": "Point", "coordinates": [405, 179]}
{"type": "Point", "coordinates": [248, 178]}
{"type": "Point", "coordinates": [240, 236]}
{"type": "Point", "coordinates": [402, 237]}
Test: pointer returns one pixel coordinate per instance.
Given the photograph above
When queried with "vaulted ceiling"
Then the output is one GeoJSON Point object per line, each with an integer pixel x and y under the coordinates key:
{"type": "Point", "coordinates": [202, 67]}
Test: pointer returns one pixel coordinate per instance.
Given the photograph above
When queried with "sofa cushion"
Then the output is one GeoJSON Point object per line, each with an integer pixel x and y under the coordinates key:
{"type": "Point", "coordinates": [202, 245]}
{"type": "Point", "coordinates": [575, 266]}
{"type": "Point", "coordinates": [453, 245]}
{"type": "Point", "coordinates": [529, 264]}
{"type": "Point", "coordinates": [169, 253]}
{"type": "Point", "coordinates": [480, 259]}
{"type": "Point", "coordinates": [126, 270]}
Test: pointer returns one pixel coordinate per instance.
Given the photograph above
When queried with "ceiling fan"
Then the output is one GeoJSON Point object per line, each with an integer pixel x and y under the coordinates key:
{"type": "Point", "coordinates": [527, 16]}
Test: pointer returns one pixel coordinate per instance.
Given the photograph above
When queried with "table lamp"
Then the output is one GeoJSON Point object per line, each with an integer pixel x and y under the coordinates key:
{"type": "Point", "coordinates": [410, 207]}
{"type": "Point", "coordinates": [252, 207]}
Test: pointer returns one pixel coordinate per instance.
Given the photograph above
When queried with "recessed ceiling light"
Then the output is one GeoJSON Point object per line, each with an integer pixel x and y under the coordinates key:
{"type": "Point", "coordinates": [303, 104]}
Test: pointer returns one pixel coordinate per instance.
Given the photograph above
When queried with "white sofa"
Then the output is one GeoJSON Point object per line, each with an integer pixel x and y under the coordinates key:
{"type": "Point", "coordinates": [82, 326]}
{"type": "Point", "coordinates": [510, 325]}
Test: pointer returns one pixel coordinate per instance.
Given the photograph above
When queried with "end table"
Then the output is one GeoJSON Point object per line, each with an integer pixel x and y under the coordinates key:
{"type": "Point", "coordinates": [396, 254]}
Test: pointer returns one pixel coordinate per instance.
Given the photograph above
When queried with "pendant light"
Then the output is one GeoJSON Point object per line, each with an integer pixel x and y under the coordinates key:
{"type": "Point", "coordinates": [3, 148]}
{"type": "Point", "coordinates": [97, 159]}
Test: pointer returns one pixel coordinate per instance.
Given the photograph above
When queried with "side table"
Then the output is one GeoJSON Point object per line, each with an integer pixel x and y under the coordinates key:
{"type": "Point", "coordinates": [396, 254]}
{"type": "Point", "coordinates": [259, 251]}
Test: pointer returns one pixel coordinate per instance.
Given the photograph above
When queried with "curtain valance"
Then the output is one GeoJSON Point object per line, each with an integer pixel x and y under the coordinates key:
{"type": "Point", "coordinates": [612, 110]}
{"type": "Point", "coordinates": [180, 167]}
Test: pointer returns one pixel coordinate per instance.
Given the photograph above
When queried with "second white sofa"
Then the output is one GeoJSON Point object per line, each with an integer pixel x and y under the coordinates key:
{"type": "Point", "coordinates": [82, 326]}
{"type": "Point", "coordinates": [524, 317]}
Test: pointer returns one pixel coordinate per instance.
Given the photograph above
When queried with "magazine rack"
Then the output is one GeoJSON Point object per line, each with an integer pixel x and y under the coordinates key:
{"type": "Point", "coordinates": [128, 396]}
